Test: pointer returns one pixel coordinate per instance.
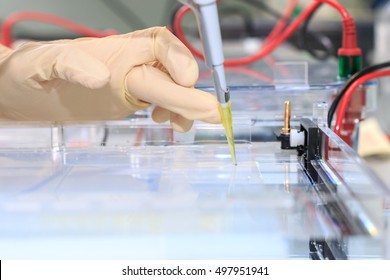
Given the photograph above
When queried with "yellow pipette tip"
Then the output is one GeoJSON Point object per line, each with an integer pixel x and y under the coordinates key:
{"type": "Point", "coordinates": [227, 122]}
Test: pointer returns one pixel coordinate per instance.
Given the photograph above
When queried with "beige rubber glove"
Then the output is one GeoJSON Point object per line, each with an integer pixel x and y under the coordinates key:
{"type": "Point", "coordinates": [103, 79]}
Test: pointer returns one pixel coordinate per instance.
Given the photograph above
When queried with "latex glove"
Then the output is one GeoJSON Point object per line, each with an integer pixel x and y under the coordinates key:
{"type": "Point", "coordinates": [104, 78]}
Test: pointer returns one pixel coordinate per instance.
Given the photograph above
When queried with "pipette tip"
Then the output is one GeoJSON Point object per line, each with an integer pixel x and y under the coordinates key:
{"type": "Point", "coordinates": [227, 122]}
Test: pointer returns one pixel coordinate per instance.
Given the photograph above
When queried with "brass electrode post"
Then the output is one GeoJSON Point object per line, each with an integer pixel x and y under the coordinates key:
{"type": "Point", "coordinates": [287, 118]}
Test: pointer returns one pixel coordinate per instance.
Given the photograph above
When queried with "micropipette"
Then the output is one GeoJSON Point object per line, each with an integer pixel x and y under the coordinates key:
{"type": "Point", "coordinates": [210, 33]}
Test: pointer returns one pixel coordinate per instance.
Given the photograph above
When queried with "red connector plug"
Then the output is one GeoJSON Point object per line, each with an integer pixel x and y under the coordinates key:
{"type": "Point", "coordinates": [349, 44]}
{"type": "Point", "coordinates": [350, 56]}
{"type": "Point", "coordinates": [350, 60]}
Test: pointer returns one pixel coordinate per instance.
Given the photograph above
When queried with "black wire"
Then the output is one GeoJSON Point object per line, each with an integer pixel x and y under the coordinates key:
{"type": "Point", "coordinates": [350, 81]}
{"type": "Point", "coordinates": [326, 46]}
{"type": "Point", "coordinates": [125, 14]}
{"type": "Point", "coordinates": [305, 37]}
{"type": "Point", "coordinates": [226, 9]}
{"type": "Point", "coordinates": [254, 3]}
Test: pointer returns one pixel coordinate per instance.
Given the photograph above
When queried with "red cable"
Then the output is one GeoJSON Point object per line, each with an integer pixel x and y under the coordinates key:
{"type": "Point", "coordinates": [349, 34]}
{"type": "Point", "coordinates": [251, 73]}
{"type": "Point", "coordinates": [252, 58]}
{"type": "Point", "coordinates": [340, 8]}
{"type": "Point", "coordinates": [282, 23]}
{"type": "Point", "coordinates": [348, 94]}
{"type": "Point", "coordinates": [9, 22]}
{"type": "Point", "coordinates": [242, 71]}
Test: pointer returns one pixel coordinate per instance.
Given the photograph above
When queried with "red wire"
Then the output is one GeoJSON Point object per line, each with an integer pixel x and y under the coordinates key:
{"type": "Point", "coordinates": [282, 23]}
{"type": "Point", "coordinates": [348, 94]}
{"type": "Point", "coordinates": [262, 52]}
{"type": "Point", "coordinates": [251, 73]}
{"type": "Point", "coordinates": [9, 22]}
{"type": "Point", "coordinates": [348, 28]}
{"type": "Point", "coordinates": [242, 71]}
{"type": "Point", "coordinates": [340, 8]}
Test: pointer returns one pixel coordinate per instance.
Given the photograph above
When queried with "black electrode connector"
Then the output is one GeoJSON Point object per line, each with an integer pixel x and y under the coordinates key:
{"type": "Point", "coordinates": [284, 139]}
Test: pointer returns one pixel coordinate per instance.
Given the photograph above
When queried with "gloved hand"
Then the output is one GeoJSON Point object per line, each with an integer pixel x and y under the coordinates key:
{"type": "Point", "coordinates": [105, 78]}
